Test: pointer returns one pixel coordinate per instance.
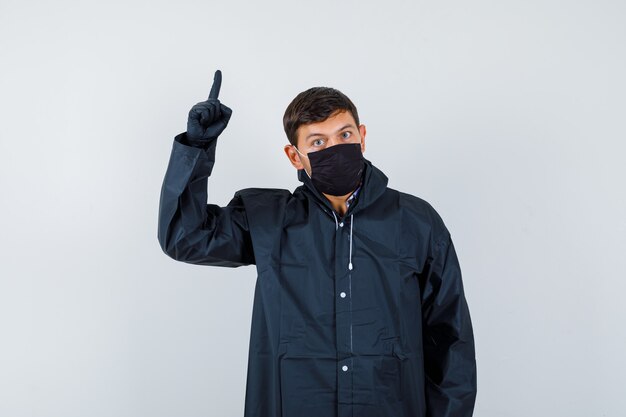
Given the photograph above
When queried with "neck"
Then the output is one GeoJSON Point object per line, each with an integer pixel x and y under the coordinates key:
{"type": "Point", "coordinates": [338, 202]}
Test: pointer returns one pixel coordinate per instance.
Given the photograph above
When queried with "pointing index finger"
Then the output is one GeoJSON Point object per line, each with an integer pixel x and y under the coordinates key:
{"type": "Point", "coordinates": [217, 83]}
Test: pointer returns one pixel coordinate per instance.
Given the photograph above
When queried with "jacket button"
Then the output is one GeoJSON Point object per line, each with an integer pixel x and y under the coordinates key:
{"type": "Point", "coordinates": [342, 295]}
{"type": "Point", "coordinates": [341, 224]}
{"type": "Point", "coordinates": [344, 368]}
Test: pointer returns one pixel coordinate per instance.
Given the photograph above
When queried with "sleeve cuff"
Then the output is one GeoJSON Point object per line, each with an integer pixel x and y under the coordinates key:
{"type": "Point", "coordinates": [185, 140]}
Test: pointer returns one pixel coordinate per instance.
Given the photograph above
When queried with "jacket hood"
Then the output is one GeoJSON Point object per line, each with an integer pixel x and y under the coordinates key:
{"type": "Point", "coordinates": [373, 186]}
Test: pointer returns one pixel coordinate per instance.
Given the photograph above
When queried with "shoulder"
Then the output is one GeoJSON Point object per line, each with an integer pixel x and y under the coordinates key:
{"type": "Point", "coordinates": [264, 207]}
{"type": "Point", "coordinates": [264, 191]}
{"type": "Point", "coordinates": [420, 212]}
{"type": "Point", "coordinates": [264, 196]}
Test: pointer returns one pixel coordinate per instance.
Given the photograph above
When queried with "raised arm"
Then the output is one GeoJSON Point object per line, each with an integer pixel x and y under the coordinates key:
{"type": "Point", "coordinates": [190, 230]}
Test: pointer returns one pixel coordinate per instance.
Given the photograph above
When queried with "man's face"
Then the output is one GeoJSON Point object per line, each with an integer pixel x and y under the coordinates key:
{"type": "Point", "coordinates": [339, 128]}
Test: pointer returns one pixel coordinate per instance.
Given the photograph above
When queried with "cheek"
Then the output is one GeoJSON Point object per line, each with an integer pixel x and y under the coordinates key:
{"type": "Point", "coordinates": [307, 166]}
{"type": "Point", "coordinates": [304, 162]}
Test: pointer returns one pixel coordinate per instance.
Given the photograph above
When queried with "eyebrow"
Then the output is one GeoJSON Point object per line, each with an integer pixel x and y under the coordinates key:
{"type": "Point", "coordinates": [337, 131]}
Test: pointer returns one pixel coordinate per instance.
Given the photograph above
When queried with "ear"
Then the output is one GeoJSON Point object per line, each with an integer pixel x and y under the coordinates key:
{"type": "Point", "coordinates": [363, 132]}
{"type": "Point", "coordinates": [293, 156]}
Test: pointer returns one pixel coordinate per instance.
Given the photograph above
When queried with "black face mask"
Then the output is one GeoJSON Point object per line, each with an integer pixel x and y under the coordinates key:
{"type": "Point", "coordinates": [337, 169]}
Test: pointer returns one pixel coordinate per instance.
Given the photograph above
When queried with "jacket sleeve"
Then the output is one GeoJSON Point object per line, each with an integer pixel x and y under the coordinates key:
{"type": "Point", "coordinates": [449, 353]}
{"type": "Point", "coordinates": [189, 229]}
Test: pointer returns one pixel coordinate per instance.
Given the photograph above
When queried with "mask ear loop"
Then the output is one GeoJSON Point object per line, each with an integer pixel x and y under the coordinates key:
{"type": "Point", "coordinates": [294, 146]}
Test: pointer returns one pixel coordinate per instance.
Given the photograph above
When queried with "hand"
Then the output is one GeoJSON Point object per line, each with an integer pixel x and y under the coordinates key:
{"type": "Point", "coordinates": [209, 118]}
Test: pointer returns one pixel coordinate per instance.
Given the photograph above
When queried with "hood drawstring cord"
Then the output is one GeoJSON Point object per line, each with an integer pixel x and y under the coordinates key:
{"type": "Point", "coordinates": [337, 226]}
{"type": "Point", "coordinates": [351, 223]}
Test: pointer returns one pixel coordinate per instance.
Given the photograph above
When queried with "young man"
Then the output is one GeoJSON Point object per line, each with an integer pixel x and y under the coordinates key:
{"type": "Point", "coordinates": [359, 308]}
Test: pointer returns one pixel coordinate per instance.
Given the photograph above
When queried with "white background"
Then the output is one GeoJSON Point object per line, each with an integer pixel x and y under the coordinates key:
{"type": "Point", "coordinates": [508, 117]}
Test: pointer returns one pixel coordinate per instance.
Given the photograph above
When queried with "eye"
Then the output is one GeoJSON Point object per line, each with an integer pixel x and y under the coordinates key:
{"type": "Point", "coordinates": [346, 134]}
{"type": "Point", "coordinates": [318, 142]}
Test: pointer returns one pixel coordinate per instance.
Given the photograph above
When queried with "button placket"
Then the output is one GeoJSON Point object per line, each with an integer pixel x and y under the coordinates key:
{"type": "Point", "coordinates": [343, 320]}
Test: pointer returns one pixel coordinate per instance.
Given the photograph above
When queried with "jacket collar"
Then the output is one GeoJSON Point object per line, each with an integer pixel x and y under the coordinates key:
{"type": "Point", "coordinates": [373, 186]}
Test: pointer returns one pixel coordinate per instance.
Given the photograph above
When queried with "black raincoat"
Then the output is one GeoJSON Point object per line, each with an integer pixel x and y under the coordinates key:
{"type": "Point", "coordinates": [356, 316]}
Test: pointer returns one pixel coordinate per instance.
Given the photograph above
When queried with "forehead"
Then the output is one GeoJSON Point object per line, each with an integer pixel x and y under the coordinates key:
{"type": "Point", "coordinates": [327, 127]}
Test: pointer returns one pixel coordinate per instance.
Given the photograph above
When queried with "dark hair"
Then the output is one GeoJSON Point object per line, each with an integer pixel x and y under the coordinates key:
{"type": "Point", "coordinates": [315, 105]}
